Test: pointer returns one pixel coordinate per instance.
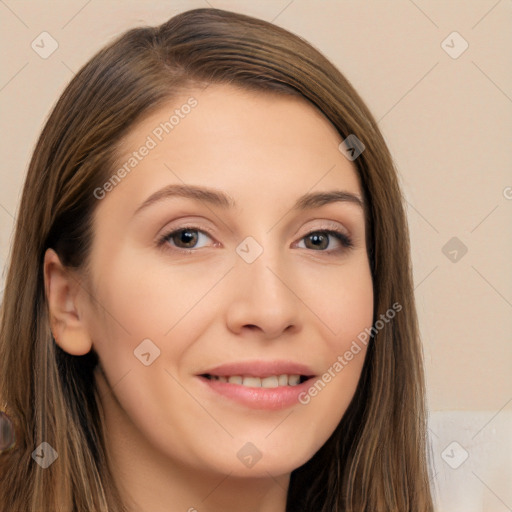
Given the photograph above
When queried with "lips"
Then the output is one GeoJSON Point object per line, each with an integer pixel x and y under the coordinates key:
{"type": "Point", "coordinates": [259, 384]}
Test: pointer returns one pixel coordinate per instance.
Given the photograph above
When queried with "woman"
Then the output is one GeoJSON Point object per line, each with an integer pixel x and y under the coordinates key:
{"type": "Point", "coordinates": [209, 304]}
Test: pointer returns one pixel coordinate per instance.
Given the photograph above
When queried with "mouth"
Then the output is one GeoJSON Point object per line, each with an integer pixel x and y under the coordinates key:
{"type": "Point", "coordinates": [269, 382]}
{"type": "Point", "coordinates": [259, 384]}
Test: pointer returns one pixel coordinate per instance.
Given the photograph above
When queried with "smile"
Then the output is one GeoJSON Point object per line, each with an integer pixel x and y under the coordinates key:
{"type": "Point", "coordinates": [273, 381]}
{"type": "Point", "coordinates": [257, 384]}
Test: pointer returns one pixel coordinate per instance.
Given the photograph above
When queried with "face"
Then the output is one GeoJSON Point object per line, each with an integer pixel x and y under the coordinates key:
{"type": "Point", "coordinates": [215, 308]}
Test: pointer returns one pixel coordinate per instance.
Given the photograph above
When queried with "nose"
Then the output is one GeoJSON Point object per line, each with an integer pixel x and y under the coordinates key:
{"type": "Point", "coordinates": [263, 299]}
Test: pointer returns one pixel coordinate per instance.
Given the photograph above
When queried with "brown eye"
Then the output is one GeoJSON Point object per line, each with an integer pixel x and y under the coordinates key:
{"type": "Point", "coordinates": [185, 239]}
{"type": "Point", "coordinates": [317, 241]}
{"type": "Point", "coordinates": [321, 240]}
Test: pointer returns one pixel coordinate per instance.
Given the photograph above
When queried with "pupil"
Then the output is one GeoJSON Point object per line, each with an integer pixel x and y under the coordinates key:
{"type": "Point", "coordinates": [188, 237]}
{"type": "Point", "coordinates": [317, 240]}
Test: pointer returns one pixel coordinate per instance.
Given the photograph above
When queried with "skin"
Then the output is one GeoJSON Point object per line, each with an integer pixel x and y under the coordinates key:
{"type": "Point", "coordinates": [170, 443]}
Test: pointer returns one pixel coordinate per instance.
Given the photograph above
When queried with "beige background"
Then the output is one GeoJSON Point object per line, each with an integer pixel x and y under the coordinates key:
{"type": "Point", "coordinates": [448, 123]}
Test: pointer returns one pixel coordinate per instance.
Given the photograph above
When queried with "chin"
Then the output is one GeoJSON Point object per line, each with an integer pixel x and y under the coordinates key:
{"type": "Point", "coordinates": [263, 461]}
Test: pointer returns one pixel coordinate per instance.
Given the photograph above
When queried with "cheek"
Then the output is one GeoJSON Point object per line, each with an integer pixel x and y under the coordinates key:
{"type": "Point", "coordinates": [141, 298]}
{"type": "Point", "coordinates": [344, 307]}
{"type": "Point", "coordinates": [340, 297]}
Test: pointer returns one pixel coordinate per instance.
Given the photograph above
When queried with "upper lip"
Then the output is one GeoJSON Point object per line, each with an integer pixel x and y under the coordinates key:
{"type": "Point", "coordinates": [259, 369]}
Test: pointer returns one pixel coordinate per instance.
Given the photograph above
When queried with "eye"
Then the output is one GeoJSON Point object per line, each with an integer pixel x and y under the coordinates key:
{"type": "Point", "coordinates": [189, 239]}
{"type": "Point", "coordinates": [320, 240]}
{"type": "Point", "coordinates": [184, 239]}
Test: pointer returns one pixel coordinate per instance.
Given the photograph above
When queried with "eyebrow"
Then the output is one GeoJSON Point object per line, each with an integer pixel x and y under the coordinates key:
{"type": "Point", "coordinates": [225, 201]}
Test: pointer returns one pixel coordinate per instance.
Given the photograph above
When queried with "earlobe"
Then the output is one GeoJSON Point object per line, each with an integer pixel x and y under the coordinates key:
{"type": "Point", "coordinates": [61, 289]}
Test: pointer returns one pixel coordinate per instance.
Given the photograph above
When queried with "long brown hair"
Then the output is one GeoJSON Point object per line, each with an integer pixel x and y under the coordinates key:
{"type": "Point", "coordinates": [376, 458]}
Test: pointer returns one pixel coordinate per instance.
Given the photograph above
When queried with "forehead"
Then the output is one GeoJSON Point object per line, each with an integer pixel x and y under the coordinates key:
{"type": "Point", "coordinates": [242, 141]}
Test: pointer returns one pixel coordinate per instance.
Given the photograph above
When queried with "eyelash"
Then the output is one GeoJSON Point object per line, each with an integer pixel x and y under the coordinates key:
{"type": "Point", "coordinates": [344, 240]}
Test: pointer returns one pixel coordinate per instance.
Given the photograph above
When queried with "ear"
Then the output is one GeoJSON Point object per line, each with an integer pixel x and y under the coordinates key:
{"type": "Point", "coordinates": [66, 322]}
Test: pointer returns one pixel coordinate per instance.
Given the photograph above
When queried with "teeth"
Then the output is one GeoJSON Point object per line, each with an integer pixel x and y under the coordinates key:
{"type": "Point", "coordinates": [256, 382]}
{"type": "Point", "coordinates": [252, 382]}
{"type": "Point", "coordinates": [293, 380]}
{"type": "Point", "coordinates": [283, 380]}
{"type": "Point", "coordinates": [270, 382]}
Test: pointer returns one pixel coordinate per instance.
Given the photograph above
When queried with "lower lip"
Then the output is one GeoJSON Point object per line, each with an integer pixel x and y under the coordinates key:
{"type": "Point", "coordinates": [259, 398]}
